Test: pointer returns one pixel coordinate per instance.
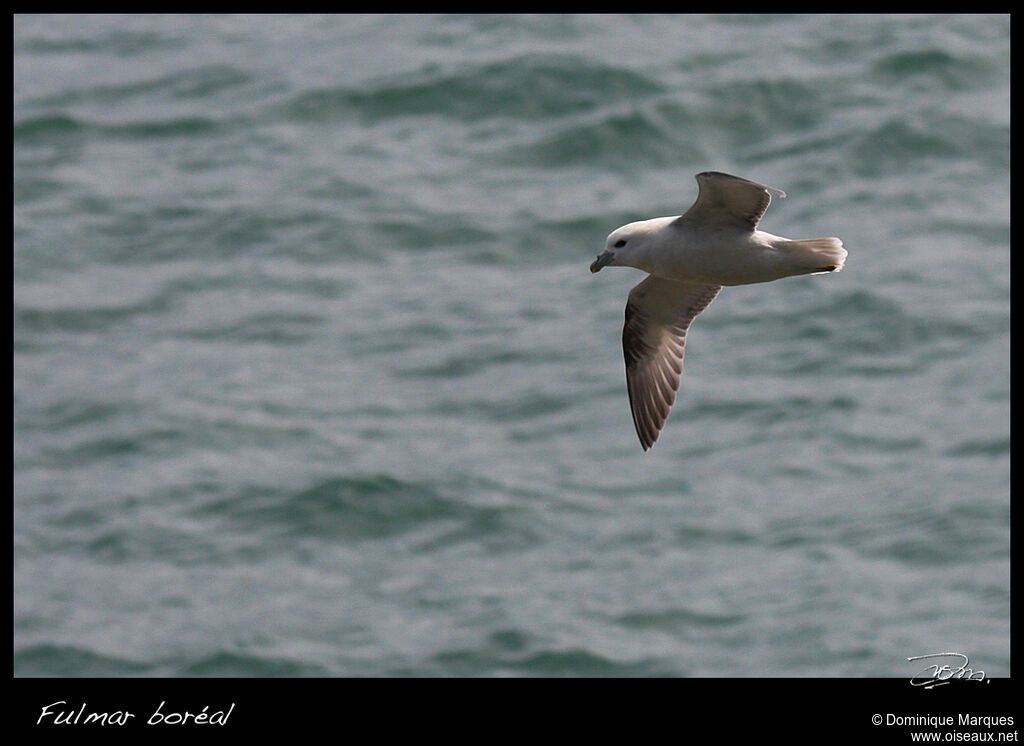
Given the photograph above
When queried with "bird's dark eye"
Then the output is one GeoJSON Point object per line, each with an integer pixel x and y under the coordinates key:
{"type": "Point", "coordinates": [620, 243]}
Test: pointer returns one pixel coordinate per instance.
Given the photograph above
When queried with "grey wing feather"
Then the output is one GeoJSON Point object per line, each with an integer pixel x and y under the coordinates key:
{"type": "Point", "coordinates": [729, 200]}
{"type": "Point", "coordinates": [658, 315]}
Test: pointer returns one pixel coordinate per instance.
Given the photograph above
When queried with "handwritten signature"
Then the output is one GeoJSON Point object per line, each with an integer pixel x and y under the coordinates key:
{"type": "Point", "coordinates": [942, 673]}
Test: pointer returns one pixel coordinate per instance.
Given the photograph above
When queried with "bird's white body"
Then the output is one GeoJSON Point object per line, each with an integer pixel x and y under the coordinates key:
{"type": "Point", "coordinates": [719, 254]}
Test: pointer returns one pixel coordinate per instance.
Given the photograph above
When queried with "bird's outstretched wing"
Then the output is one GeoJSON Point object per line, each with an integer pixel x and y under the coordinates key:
{"type": "Point", "coordinates": [658, 313]}
{"type": "Point", "coordinates": [729, 200]}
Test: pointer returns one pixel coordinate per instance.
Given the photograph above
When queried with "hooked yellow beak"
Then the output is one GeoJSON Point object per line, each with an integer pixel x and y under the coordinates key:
{"type": "Point", "coordinates": [601, 261]}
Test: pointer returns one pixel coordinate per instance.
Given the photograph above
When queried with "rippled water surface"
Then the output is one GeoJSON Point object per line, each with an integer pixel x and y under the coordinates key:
{"type": "Point", "coordinates": [311, 378]}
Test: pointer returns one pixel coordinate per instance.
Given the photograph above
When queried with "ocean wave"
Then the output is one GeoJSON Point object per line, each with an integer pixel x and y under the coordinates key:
{"type": "Point", "coordinates": [938, 69]}
{"type": "Point", "coordinates": [233, 664]}
{"type": "Point", "coordinates": [574, 662]}
{"type": "Point", "coordinates": [874, 332]}
{"type": "Point", "coordinates": [352, 508]}
{"type": "Point", "coordinates": [529, 87]}
{"type": "Point", "coordinates": [278, 328]}
{"type": "Point", "coordinates": [625, 137]}
{"type": "Point", "coordinates": [59, 128]}
{"type": "Point", "coordinates": [120, 43]}
{"type": "Point", "coordinates": [53, 660]}
{"type": "Point", "coordinates": [31, 321]}
{"type": "Point", "coordinates": [193, 83]}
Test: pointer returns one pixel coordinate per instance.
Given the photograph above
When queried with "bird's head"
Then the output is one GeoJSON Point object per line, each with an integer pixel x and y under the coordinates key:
{"type": "Point", "coordinates": [628, 246]}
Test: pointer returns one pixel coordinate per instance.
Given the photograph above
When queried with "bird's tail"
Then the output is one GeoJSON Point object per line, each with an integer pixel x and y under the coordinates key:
{"type": "Point", "coordinates": [816, 255]}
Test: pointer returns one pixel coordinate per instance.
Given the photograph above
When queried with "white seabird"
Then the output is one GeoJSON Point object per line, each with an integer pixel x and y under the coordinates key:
{"type": "Point", "coordinates": [689, 258]}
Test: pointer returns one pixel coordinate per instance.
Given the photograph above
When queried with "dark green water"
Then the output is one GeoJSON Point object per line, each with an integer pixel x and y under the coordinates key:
{"type": "Point", "coordinates": [311, 378]}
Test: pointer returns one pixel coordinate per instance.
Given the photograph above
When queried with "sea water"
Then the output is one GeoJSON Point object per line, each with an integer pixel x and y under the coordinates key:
{"type": "Point", "coordinates": [311, 378]}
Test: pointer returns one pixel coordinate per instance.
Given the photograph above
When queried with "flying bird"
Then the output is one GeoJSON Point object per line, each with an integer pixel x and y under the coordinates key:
{"type": "Point", "coordinates": [688, 259]}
